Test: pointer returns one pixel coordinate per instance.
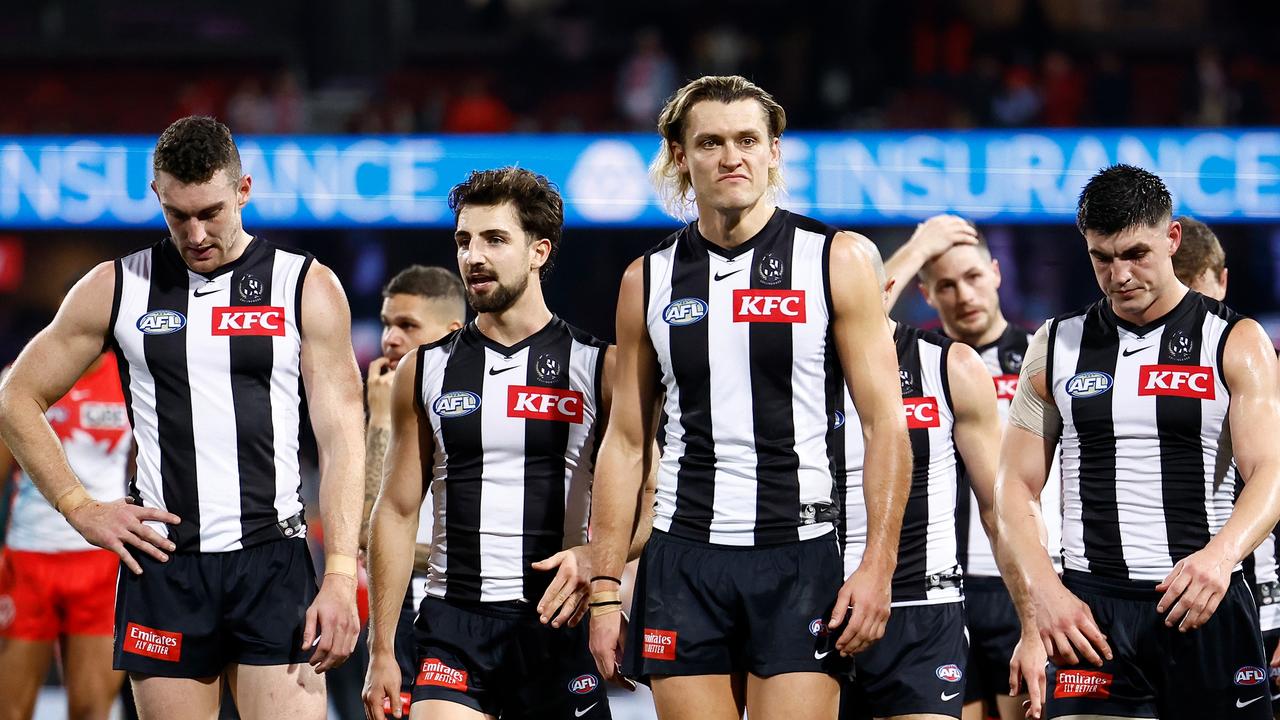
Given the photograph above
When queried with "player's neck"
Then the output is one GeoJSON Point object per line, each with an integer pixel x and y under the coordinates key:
{"type": "Point", "coordinates": [526, 316]}
{"type": "Point", "coordinates": [984, 338]}
{"type": "Point", "coordinates": [731, 228]}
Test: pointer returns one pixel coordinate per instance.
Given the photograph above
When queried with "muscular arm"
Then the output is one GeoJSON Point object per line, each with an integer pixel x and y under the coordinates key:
{"type": "Point", "coordinates": [643, 524]}
{"type": "Point", "coordinates": [333, 394]}
{"type": "Point", "coordinates": [376, 437]}
{"type": "Point", "coordinates": [395, 514]}
{"type": "Point", "coordinates": [626, 451]}
{"type": "Point", "coordinates": [977, 427]}
{"type": "Point", "coordinates": [870, 365]}
{"type": "Point", "coordinates": [48, 367]}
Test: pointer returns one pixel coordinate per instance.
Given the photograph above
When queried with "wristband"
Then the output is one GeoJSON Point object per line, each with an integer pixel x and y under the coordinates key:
{"type": "Point", "coordinates": [72, 499]}
{"type": "Point", "coordinates": [605, 596]}
{"type": "Point", "coordinates": [606, 577]}
{"type": "Point", "coordinates": [340, 565]}
{"type": "Point", "coordinates": [607, 608]}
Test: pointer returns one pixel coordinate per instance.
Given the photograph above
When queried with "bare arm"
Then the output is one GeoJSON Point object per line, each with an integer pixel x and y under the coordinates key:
{"type": "Point", "coordinates": [870, 365]}
{"type": "Point", "coordinates": [625, 459]}
{"type": "Point", "coordinates": [932, 238]}
{"type": "Point", "coordinates": [977, 427]}
{"type": "Point", "coordinates": [48, 367]}
{"type": "Point", "coordinates": [395, 521]}
{"type": "Point", "coordinates": [643, 526]}
{"type": "Point", "coordinates": [333, 392]}
{"type": "Point", "coordinates": [376, 435]}
{"type": "Point", "coordinates": [1199, 581]}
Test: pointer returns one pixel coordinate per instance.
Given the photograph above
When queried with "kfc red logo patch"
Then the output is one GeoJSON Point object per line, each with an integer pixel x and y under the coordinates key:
{"type": "Point", "coordinates": [1083, 683]}
{"type": "Point", "coordinates": [152, 643]}
{"type": "Point", "coordinates": [772, 306]}
{"type": "Point", "coordinates": [922, 412]}
{"type": "Point", "coordinates": [659, 644]}
{"type": "Point", "coordinates": [541, 403]}
{"type": "Point", "coordinates": [1188, 381]}
{"type": "Point", "coordinates": [435, 672]}
{"type": "Point", "coordinates": [248, 320]}
{"type": "Point", "coordinates": [1006, 386]}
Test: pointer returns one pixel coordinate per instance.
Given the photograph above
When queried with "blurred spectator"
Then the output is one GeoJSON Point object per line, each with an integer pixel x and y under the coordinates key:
{"type": "Point", "coordinates": [1214, 100]}
{"type": "Point", "coordinates": [1109, 92]}
{"type": "Point", "coordinates": [477, 110]}
{"type": "Point", "coordinates": [1019, 101]}
{"type": "Point", "coordinates": [647, 78]}
{"type": "Point", "coordinates": [288, 103]}
{"type": "Point", "coordinates": [249, 110]}
{"type": "Point", "coordinates": [1064, 91]}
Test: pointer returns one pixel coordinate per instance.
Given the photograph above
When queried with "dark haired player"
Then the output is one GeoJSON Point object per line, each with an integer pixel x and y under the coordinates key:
{"type": "Point", "coordinates": [1152, 617]}
{"type": "Point", "coordinates": [498, 421]}
{"type": "Point", "coordinates": [213, 330]}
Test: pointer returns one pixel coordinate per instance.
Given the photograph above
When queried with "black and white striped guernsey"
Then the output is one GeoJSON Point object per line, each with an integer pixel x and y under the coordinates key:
{"type": "Point", "coordinates": [1003, 359]}
{"type": "Point", "coordinates": [743, 345]}
{"type": "Point", "coordinates": [927, 572]}
{"type": "Point", "coordinates": [515, 442]}
{"type": "Point", "coordinates": [1147, 471]}
{"type": "Point", "coordinates": [210, 366]}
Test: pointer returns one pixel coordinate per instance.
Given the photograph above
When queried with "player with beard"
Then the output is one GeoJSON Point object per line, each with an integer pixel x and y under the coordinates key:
{"type": "Point", "coordinates": [959, 279]}
{"type": "Point", "coordinates": [499, 420]}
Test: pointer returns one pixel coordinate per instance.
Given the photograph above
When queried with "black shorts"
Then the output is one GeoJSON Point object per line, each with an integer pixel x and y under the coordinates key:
{"type": "Point", "coordinates": [496, 658]}
{"type": "Point", "coordinates": [917, 667]}
{"type": "Point", "coordinates": [192, 616]}
{"type": "Point", "coordinates": [702, 609]}
{"type": "Point", "coordinates": [994, 630]}
{"type": "Point", "coordinates": [1216, 671]}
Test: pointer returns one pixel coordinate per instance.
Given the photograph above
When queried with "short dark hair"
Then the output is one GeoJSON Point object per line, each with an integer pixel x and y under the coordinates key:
{"type": "Point", "coordinates": [194, 148]}
{"type": "Point", "coordinates": [981, 246]}
{"type": "Point", "coordinates": [1199, 251]}
{"type": "Point", "coordinates": [538, 204]}
{"type": "Point", "coordinates": [431, 283]}
{"type": "Point", "coordinates": [1121, 197]}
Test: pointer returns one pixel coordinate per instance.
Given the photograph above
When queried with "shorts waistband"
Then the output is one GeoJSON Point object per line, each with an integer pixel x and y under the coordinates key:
{"type": "Point", "coordinates": [1267, 593]}
{"type": "Point", "coordinates": [677, 540]}
{"type": "Point", "coordinates": [505, 609]}
{"type": "Point", "coordinates": [1118, 587]}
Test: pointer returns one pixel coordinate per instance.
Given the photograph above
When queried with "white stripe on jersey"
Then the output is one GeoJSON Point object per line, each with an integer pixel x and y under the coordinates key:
{"type": "Point", "coordinates": [286, 413]}
{"type": "Point", "coordinates": [502, 512]}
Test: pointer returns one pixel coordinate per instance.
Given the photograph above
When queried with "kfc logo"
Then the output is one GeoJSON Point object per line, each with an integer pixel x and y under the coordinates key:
{"type": "Point", "coordinates": [921, 412]}
{"type": "Point", "coordinates": [773, 306]}
{"type": "Point", "coordinates": [1006, 386]}
{"type": "Point", "coordinates": [248, 320]}
{"type": "Point", "coordinates": [539, 403]}
{"type": "Point", "coordinates": [1188, 381]}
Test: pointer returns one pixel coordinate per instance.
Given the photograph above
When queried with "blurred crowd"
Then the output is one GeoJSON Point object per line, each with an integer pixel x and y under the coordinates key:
{"type": "Point", "coordinates": [487, 66]}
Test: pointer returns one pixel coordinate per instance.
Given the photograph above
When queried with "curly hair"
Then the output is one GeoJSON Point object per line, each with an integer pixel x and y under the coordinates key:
{"type": "Point", "coordinates": [538, 203]}
{"type": "Point", "coordinates": [193, 148]}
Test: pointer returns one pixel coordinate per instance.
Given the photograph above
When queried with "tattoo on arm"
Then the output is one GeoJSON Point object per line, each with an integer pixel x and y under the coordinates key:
{"type": "Point", "coordinates": [375, 448]}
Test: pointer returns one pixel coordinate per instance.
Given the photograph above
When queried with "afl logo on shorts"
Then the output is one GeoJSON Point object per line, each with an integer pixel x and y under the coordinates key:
{"type": "Point", "coordinates": [161, 322]}
{"type": "Point", "coordinates": [1088, 384]}
{"type": "Point", "coordinates": [685, 311]}
{"type": "Point", "coordinates": [456, 404]}
{"type": "Point", "coordinates": [583, 684]}
{"type": "Point", "coordinates": [817, 628]}
{"type": "Point", "coordinates": [950, 673]}
{"type": "Point", "coordinates": [1250, 675]}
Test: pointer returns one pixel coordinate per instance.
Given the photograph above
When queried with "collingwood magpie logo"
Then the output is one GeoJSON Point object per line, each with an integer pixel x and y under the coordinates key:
{"type": "Point", "coordinates": [907, 382]}
{"type": "Point", "coordinates": [771, 269]}
{"type": "Point", "coordinates": [1180, 347]}
{"type": "Point", "coordinates": [250, 289]}
{"type": "Point", "coordinates": [547, 368]}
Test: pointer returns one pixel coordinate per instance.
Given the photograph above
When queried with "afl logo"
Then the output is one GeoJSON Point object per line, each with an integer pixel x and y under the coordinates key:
{"type": "Point", "coordinates": [950, 673]}
{"type": "Point", "coordinates": [817, 628]}
{"type": "Point", "coordinates": [839, 421]}
{"type": "Point", "coordinates": [456, 404]}
{"type": "Point", "coordinates": [583, 684]}
{"type": "Point", "coordinates": [161, 322]}
{"type": "Point", "coordinates": [771, 269]}
{"type": "Point", "coordinates": [1250, 675]}
{"type": "Point", "coordinates": [1088, 384]}
{"type": "Point", "coordinates": [685, 311]}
